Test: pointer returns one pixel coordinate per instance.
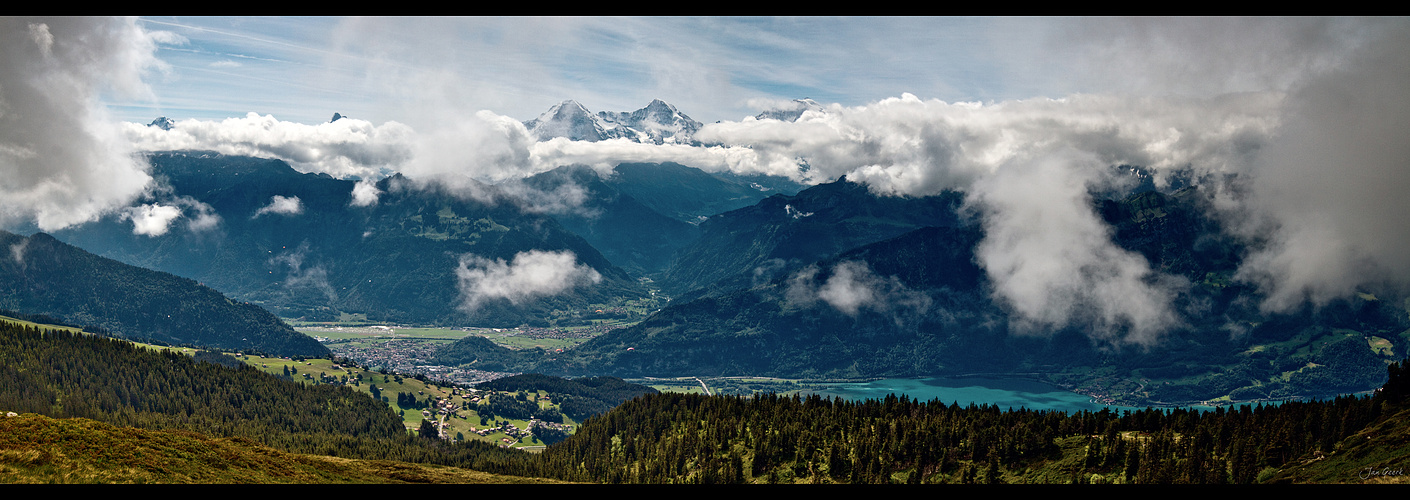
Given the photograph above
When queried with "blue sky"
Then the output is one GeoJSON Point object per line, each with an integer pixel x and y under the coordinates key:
{"type": "Point", "coordinates": [305, 69]}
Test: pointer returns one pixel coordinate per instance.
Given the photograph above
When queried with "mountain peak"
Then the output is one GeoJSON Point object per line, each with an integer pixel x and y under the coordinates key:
{"type": "Point", "coordinates": [790, 112]}
{"type": "Point", "coordinates": [162, 122]}
{"type": "Point", "coordinates": [659, 122]}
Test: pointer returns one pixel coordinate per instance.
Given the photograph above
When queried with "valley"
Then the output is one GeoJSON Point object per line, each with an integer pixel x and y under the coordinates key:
{"type": "Point", "coordinates": [505, 316]}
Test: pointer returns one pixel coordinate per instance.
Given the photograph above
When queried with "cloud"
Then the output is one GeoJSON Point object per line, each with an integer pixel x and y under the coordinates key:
{"type": "Point", "coordinates": [1326, 197]}
{"type": "Point", "coordinates": [603, 156]}
{"type": "Point", "coordinates": [347, 147]}
{"type": "Point", "coordinates": [365, 194]}
{"type": "Point", "coordinates": [909, 146]}
{"type": "Point", "coordinates": [62, 160]}
{"type": "Point", "coordinates": [17, 252]}
{"type": "Point", "coordinates": [281, 205]}
{"type": "Point", "coordinates": [529, 275]}
{"type": "Point", "coordinates": [150, 219]}
{"type": "Point", "coordinates": [205, 219]}
{"type": "Point", "coordinates": [1051, 259]}
{"type": "Point", "coordinates": [300, 277]}
{"type": "Point", "coordinates": [852, 286]}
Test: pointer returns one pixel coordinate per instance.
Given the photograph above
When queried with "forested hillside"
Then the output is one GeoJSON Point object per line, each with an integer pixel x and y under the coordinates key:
{"type": "Point", "coordinates": [62, 374]}
{"type": "Point", "coordinates": [45, 276]}
{"type": "Point", "coordinates": [689, 438]}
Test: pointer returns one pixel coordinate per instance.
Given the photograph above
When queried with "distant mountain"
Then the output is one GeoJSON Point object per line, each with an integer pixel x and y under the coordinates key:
{"type": "Point", "coordinates": [628, 233]}
{"type": "Point", "coordinates": [790, 113]}
{"type": "Point", "coordinates": [162, 122]}
{"type": "Point", "coordinates": [398, 259]}
{"type": "Point", "coordinates": [779, 328]}
{"type": "Point", "coordinates": [657, 123]}
{"type": "Point", "coordinates": [687, 194]}
{"type": "Point", "coordinates": [918, 304]}
{"type": "Point", "coordinates": [41, 275]}
{"type": "Point", "coordinates": [782, 232]}
{"type": "Point", "coordinates": [642, 213]}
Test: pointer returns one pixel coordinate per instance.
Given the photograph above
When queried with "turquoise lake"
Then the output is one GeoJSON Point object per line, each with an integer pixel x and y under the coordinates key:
{"type": "Point", "coordinates": [1005, 393]}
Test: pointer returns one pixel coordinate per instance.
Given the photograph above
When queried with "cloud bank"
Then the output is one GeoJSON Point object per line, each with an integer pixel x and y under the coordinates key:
{"type": "Point", "coordinates": [62, 160]}
{"type": "Point", "coordinates": [347, 147]}
{"type": "Point", "coordinates": [1328, 195]}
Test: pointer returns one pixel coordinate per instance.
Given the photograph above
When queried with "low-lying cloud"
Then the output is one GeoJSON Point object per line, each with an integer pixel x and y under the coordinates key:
{"type": "Point", "coordinates": [851, 287]}
{"type": "Point", "coordinates": [297, 275]}
{"type": "Point", "coordinates": [1051, 259]}
{"type": "Point", "coordinates": [281, 205]}
{"type": "Point", "coordinates": [529, 275]}
{"type": "Point", "coordinates": [365, 193]}
{"type": "Point", "coordinates": [347, 147]}
{"type": "Point", "coordinates": [150, 219]}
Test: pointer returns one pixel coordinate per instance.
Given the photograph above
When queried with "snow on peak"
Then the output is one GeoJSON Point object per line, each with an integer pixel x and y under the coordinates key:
{"type": "Point", "coordinates": [791, 111]}
{"type": "Point", "coordinates": [658, 122]}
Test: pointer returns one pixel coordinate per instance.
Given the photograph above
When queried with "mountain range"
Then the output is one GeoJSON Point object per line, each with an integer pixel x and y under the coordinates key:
{"type": "Point", "coordinates": [765, 277]}
{"type": "Point", "coordinates": [657, 123]}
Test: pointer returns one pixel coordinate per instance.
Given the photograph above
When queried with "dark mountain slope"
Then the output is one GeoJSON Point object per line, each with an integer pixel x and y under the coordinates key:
{"type": "Point", "coordinates": [395, 260]}
{"type": "Point", "coordinates": [684, 193]}
{"type": "Point", "coordinates": [918, 304]}
{"type": "Point", "coordinates": [629, 234]}
{"type": "Point", "coordinates": [781, 233]}
{"type": "Point", "coordinates": [924, 316]}
{"type": "Point", "coordinates": [42, 275]}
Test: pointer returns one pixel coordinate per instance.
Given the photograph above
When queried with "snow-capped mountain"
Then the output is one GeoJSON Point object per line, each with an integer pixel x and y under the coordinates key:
{"type": "Point", "coordinates": [657, 123]}
{"type": "Point", "coordinates": [162, 122]}
{"type": "Point", "coordinates": [791, 113]}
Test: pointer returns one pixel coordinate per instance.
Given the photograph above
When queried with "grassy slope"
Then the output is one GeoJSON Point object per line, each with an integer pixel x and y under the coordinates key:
{"type": "Point", "coordinates": [1379, 453]}
{"type": "Point", "coordinates": [39, 449]}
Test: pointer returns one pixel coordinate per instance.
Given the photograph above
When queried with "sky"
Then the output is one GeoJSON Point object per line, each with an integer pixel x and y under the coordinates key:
{"type": "Point", "coordinates": [305, 69]}
{"type": "Point", "coordinates": [1303, 119]}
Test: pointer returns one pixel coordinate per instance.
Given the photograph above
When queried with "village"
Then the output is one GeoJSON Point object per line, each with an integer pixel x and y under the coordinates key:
{"type": "Point", "coordinates": [457, 411]}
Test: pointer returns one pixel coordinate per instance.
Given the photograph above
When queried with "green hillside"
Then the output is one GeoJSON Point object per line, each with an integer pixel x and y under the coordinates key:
{"type": "Point", "coordinates": [46, 276]}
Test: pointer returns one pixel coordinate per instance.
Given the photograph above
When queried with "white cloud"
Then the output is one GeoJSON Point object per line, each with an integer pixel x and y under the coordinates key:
{"type": "Point", "coordinates": [529, 275]}
{"type": "Point", "coordinates": [1051, 259]}
{"type": "Point", "coordinates": [281, 205]}
{"type": "Point", "coordinates": [150, 219]}
{"type": "Point", "coordinates": [62, 161]}
{"type": "Point", "coordinates": [911, 146]}
{"type": "Point", "coordinates": [347, 147]}
{"type": "Point", "coordinates": [852, 286]}
{"type": "Point", "coordinates": [299, 276]}
{"type": "Point", "coordinates": [365, 193]}
{"type": "Point", "coordinates": [206, 219]}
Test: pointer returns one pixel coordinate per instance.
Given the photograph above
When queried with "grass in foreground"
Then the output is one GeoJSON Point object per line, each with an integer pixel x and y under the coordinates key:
{"type": "Point", "coordinates": [39, 449]}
